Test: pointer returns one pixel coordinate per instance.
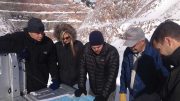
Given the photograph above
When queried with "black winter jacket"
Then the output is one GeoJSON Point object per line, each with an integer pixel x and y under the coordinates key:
{"type": "Point", "coordinates": [40, 57]}
{"type": "Point", "coordinates": [67, 63]}
{"type": "Point", "coordinates": [171, 89]}
{"type": "Point", "coordinates": [102, 69]}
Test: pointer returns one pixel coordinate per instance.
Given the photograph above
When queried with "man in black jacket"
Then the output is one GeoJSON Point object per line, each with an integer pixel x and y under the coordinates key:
{"type": "Point", "coordinates": [166, 39]}
{"type": "Point", "coordinates": [100, 61]}
{"type": "Point", "coordinates": [39, 52]}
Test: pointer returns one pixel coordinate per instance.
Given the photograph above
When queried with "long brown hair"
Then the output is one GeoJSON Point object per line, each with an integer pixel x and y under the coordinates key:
{"type": "Point", "coordinates": [71, 42]}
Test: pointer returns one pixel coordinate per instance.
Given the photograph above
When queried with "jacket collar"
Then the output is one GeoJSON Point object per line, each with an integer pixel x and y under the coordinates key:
{"type": "Point", "coordinates": [174, 59]}
{"type": "Point", "coordinates": [146, 49]}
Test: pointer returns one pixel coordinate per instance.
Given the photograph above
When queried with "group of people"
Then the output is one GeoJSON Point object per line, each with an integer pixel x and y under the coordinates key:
{"type": "Point", "coordinates": [68, 61]}
{"type": "Point", "coordinates": [149, 70]}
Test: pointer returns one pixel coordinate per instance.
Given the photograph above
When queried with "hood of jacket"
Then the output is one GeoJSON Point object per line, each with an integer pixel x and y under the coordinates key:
{"type": "Point", "coordinates": [64, 27]}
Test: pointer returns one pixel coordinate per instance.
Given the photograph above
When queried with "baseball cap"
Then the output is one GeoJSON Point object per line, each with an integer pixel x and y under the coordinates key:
{"type": "Point", "coordinates": [133, 35]}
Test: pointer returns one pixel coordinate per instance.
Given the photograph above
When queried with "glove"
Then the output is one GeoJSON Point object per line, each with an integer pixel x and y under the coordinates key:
{"type": "Point", "coordinates": [100, 98]}
{"type": "Point", "coordinates": [78, 92]}
{"type": "Point", "coordinates": [55, 84]}
{"type": "Point", "coordinates": [122, 96]}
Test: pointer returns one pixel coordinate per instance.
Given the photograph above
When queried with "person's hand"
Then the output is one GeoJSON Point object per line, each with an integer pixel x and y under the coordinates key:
{"type": "Point", "coordinates": [55, 84]}
{"type": "Point", "coordinates": [99, 98]}
{"type": "Point", "coordinates": [79, 92]}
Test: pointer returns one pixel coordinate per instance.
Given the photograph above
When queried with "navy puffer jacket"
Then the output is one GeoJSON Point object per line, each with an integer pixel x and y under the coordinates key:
{"type": "Point", "coordinates": [102, 69]}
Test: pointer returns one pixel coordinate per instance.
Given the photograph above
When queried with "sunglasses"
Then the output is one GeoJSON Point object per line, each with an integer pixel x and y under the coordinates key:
{"type": "Point", "coordinates": [66, 38]}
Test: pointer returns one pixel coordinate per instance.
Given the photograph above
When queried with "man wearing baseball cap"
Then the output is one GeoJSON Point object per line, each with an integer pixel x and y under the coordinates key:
{"type": "Point", "coordinates": [101, 62]}
{"type": "Point", "coordinates": [38, 51]}
{"type": "Point", "coordinates": [142, 70]}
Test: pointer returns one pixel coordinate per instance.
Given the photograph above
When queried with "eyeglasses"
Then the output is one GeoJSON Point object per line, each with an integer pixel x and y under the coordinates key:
{"type": "Point", "coordinates": [66, 38]}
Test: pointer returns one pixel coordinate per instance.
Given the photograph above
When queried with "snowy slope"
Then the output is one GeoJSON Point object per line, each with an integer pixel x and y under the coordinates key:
{"type": "Point", "coordinates": [5, 26]}
{"type": "Point", "coordinates": [114, 18]}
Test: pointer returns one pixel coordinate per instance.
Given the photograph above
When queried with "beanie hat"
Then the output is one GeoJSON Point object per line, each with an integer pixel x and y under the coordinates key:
{"type": "Point", "coordinates": [35, 25]}
{"type": "Point", "coordinates": [96, 38]}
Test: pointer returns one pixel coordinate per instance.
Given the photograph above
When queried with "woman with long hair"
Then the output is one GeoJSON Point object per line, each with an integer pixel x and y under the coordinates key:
{"type": "Point", "coordinates": [69, 52]}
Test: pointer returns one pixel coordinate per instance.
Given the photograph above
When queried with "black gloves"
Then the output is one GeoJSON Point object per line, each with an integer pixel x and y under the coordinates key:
{"type": "Point", "coordinates": [78, 92]}
{"type": "Point", "coordinates": [55, 84]}
{"type": "Point", "coordinates": [100, 98]}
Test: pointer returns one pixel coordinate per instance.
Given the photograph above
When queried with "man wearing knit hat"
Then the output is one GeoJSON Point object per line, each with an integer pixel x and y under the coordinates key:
{"type": "Point", "coordinates": [100, 61]}
{"type": "Point", "coordinates": [38, 51]}
{"type": "Point", "coordinates": [142, 71]}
